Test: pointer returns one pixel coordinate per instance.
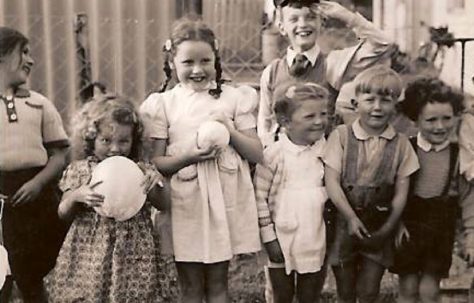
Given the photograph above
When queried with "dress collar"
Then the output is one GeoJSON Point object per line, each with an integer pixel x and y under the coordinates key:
{"type": "Point", "coordinates": [389, 133]}
{"type": "Point", "coordinates": [426, 146]}
{"type": "Point", "coordinates": [311, 54]}
{"type": "Point", "coordinates": [317, 147]}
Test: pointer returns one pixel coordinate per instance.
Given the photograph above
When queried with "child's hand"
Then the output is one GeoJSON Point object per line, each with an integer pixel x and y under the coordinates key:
{"type": "Point", "coordinates": [357, 228]}
{"type": "Point", "coordinates": [274, 251]}
{"type": "Point", "coordinates": [401, 235]}
{"type": "Point", "coordinates": [219, 116]}
{"type": "Point", "coordinates": [152, 176]}
{"type": "Point", "coordinates": [27, 193]}
{"type": "Point", "coordinates": [86, 195]}
{"type": "Point", "coordinates": [202, 154]}
{"type": "Point", "coordinates": [330, 9]}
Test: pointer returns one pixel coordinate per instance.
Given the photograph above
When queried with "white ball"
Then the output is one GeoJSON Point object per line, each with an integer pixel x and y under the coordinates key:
{"type": "Point", "coordinates": [212, 133]}
{"type": "Point", "coordinates": [121, 186]}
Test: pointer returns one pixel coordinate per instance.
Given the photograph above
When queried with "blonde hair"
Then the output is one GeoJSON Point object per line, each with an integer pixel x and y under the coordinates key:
{"type": "Point", "coordinates": [87, 123]}
{"type": "Point", "coordinates": [379, 80]}
{"type": "Point", "coordinates": [289, 96]}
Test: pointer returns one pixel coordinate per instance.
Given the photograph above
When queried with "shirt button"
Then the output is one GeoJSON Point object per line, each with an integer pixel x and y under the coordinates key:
{"type": "Point", "coordinates": [10, 105]}
{"type": "Point", "coordinates": [9, 98]}
{"type": "Point", "coordinates": [13, 116]}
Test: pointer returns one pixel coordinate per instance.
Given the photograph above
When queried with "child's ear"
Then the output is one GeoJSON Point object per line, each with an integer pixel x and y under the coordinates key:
{"type": "Point", "coordinates": [170, 63]}
{"type": "Point", "coordinates": [281, 28]}
{"type": "Point", "coordinates": [354, 103]}
{"type": "Point", "coordinates": [283, 121]}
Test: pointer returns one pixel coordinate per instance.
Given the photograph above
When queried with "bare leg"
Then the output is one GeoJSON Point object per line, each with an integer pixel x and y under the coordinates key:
{"type": "Point", "coordinates": [429, 288]}
{"type": "Point", "coordinates": [283, 285]}
{"type": "Point", "coordinates": [408, 288]}
{"type": "Point", "coordinates": [191, 281]}
{"type": "Point", "coordinates": [309, 286]}
{"type": "Point", "coordinates": [216, 282]}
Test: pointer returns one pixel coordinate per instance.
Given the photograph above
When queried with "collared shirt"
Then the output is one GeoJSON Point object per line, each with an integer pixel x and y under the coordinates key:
{"type": "Point", "coordinates": [373, 143]}
{"type": "Point", "coordinates": [427, 146]}
{"type": "Point", "coordinates": [25, 139]}
{"type": "Point", "coordinates": [405, 162]}
{"type": "Point", "coordinates": [342, 66]}
{"type": "Point", "coordinates": [311, 54]}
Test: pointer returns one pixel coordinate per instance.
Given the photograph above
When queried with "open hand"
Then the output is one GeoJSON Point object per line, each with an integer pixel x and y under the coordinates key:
{"type": "Point", "coordinates": [26, 193]}
{"type": "Point", "coordinates": [274, 251]}
{"type": "Point", "coordinates": [86, 195]}
{"type": "Point", "coordinates": [152, 176]}
{"type": "Point", "coordinates": [330, 9]}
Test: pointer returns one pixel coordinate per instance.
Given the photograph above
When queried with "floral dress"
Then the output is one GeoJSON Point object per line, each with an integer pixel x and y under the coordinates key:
{"type": "Point", "coordinates": [103, 260]}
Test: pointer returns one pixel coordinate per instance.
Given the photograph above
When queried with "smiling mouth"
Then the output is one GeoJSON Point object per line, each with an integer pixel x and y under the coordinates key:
{"type": "Point", "coordinates": [198, 79]}
{"type": "Point", "coordinates": [304, 33]}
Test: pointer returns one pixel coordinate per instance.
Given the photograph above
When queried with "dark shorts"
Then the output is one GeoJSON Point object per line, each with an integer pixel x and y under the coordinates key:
{"type": "Point", "coordinates": [431, 224]}
{"type": "Point", "coordinates": [32, 233]}
{"type": "Point", "coordinates": [346, 248]}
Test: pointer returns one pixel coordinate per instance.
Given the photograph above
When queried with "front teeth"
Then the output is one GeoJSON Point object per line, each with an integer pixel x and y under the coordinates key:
{"type": "Point", "coordinates": [198, 79]}
{"type": "Point", "coordinates": [304, 34]}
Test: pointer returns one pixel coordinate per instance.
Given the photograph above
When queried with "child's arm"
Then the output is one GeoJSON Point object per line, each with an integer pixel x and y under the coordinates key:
{"type": "Point", "coordinates": [375, 47]}
{"type": "Point", "coordinates": [245, 142]}
{"type": "Point", "coordinates": [155, 186]}
{"type": "Point", "coordinates": [72, 199]}
{"type": "Point", "coordinates": [263, 180]}
{"type": "Point", "coordinates": [332, 179]}
{"type": "Point", "coordinates": [169, 165]}
{"type": "Point", "coordinates": [264, 117]}
{"type": "Point", "coordinates": [55, 165]}
{"type": "Point", "coordinates": [160, 196]}
{"type": "Point", "coordinates": [466, 147]}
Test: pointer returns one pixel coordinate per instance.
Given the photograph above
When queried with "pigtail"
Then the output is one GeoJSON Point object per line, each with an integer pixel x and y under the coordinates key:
{"type": "Point", "coordinates": [166, 66]}
{"type": "Point", "coordinates": [216, 92]}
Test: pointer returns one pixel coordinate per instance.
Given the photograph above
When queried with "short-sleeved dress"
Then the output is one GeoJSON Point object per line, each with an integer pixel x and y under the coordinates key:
{"type": "Point", "coordinates": [213, 212]}
{"type": "Point", "coordinates": [103, 260]}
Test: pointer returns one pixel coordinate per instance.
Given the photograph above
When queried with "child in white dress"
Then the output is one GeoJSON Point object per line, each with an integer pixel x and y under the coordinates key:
{"type": "Point", "coordinates": [291, 194]}
{"type": "Point", "coordinates": [213, 209]}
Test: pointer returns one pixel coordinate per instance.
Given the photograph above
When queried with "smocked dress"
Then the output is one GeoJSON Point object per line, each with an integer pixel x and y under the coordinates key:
{"type": "Point", "coordinates": [103, 260]}
{"type": "Point", "coordinates": [213, 211]}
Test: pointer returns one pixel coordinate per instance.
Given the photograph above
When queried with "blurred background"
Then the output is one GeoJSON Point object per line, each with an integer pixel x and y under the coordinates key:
{"type": "Point", "coordinates": [119, 42]}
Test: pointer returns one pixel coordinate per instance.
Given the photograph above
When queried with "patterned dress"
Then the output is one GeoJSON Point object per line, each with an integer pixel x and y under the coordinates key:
{"type": "Point", "coordinates": [103, 260]}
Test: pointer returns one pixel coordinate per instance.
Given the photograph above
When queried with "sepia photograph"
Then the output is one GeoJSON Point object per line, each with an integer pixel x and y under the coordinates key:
{"type": "Point", "coordinates": [237, 151]}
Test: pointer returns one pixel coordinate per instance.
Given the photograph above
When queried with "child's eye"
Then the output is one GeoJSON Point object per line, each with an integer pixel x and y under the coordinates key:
{"type": "Point", "coordinates": [206, 60]}
{"type": "Point", "coordinates": [105, 140]}
{"type": "Point", "coordinates": [187, 62]}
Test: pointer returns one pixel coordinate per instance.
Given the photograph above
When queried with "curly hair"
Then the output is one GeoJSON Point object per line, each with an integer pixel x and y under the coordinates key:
{"type": "Point", "coordinates": [429, 90]}
{"type": "Point", "coordinates": [288, 97]}
{"type": "Point", "coordinates": [86, 125]}
{"type": "Point", "coordinates": [191, 29]}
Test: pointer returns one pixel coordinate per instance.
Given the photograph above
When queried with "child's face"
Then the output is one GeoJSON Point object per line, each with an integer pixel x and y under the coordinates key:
{"type": "Point", "coordinates": [301, 26]}
{"type": "Point", "coordinates": [113, 139]}
{"type": "Point", "coordinates": [17, 65]}
{"type": "Point", "coordinates": [308, 122]}
{"type": "Point", "coordinates": [375, 111]}
{"type": "Point", "coordinates": [436, 121]}
{"type": "Point", "coordinates": [468, 104]}
{"type": "Point", "coordinates": [194, 64]}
